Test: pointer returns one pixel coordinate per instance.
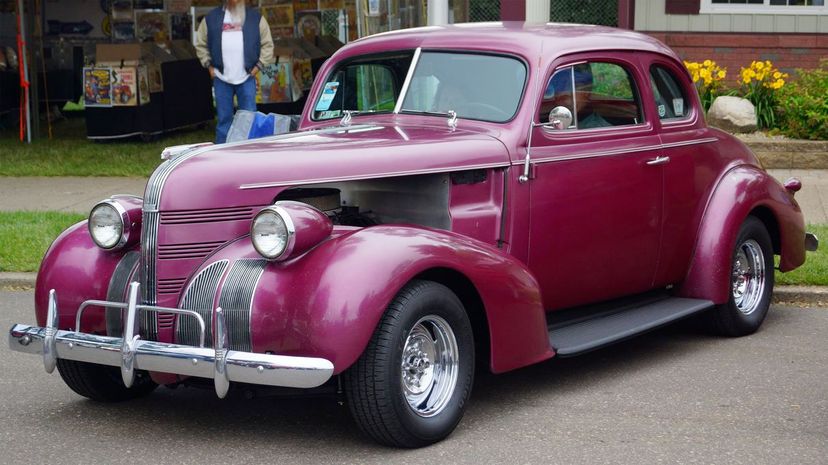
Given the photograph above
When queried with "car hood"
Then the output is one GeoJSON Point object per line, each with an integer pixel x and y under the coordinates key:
{"type": "Point", "coordinates": [254, 172]}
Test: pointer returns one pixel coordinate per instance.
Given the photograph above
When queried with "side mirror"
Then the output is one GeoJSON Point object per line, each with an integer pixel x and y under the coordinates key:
{"type": "Point", "coordinates": [559, 118]}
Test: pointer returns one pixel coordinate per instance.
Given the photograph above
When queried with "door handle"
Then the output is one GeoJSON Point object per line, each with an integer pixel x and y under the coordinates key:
{"type": "Point", "coordinates": [658, 161]}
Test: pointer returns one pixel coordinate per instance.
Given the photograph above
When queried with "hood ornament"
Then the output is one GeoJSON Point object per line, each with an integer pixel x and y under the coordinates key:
{"type": "Point", "coordinates": [452, 119]}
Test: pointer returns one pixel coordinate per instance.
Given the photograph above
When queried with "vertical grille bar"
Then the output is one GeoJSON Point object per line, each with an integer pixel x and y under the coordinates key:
{"type": "Point", "coordinates": [237, 300]}
{"type": "Point", "coordinates": [200, 296]}
{"type": "Point", "coordinates": [149, 277]}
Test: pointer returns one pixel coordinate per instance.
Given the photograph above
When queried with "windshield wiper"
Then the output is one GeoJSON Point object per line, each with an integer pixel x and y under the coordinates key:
{"type": "Point", "coordinates": [451, 114]}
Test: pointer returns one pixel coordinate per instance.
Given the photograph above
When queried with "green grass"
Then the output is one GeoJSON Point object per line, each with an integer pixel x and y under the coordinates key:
{"type": "Point", "coordinates": [70, 153]}
{"type": "Point", "coordinates": [25, 236]}
{"type": "Point", "coordinates": [815, 270]}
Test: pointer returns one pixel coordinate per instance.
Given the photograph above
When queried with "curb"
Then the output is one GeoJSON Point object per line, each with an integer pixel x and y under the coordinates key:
{"type": "Point", "coordinates": [817, 295]}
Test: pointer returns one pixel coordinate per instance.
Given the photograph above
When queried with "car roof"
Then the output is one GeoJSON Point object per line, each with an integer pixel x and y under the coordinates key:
{"type": "Point", "coordinates": [527, 39]}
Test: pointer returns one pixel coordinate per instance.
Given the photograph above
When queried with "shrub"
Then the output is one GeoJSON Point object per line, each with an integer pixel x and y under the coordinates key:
{"type": "Point", "coordinates": [708, 77]}
{"type": "Point", "coordinates": [803, 104]}
{"type": "Point", "coordinates": [760, 81]}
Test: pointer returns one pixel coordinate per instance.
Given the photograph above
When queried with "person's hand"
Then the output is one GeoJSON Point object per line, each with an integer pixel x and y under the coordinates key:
{"type": "Point", "coordinates": [254, 71]}
{"type": "Point", "coordinates": [212, 72]}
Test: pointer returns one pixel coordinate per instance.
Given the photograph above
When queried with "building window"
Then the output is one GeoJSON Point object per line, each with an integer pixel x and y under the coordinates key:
{"type": "Point", "coordinates": [776, 7]}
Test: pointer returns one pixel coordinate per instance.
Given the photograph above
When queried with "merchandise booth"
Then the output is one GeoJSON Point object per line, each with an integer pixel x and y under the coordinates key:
{"type": "Point", "coordinates": [130, 65]}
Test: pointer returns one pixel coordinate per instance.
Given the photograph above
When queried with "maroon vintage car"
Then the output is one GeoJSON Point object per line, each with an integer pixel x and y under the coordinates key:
{"type": "Point", "coordinates": [484, 196]}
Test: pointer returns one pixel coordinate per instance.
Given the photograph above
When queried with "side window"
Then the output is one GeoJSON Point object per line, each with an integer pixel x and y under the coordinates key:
{"type": "Point", "coordinates": [359, 87]}
{"type": "Point", "coordinates": [598, 94]}
{"type": "Point", "coordinates": [670, 99]}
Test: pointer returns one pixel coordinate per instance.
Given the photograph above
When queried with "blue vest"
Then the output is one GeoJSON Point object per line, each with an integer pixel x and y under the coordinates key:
{"type": "Point", "coordinates": [250, 37]}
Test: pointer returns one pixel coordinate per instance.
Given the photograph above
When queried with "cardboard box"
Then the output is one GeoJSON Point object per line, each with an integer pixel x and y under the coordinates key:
{"type": "Point", "coordinates": [118, 54]}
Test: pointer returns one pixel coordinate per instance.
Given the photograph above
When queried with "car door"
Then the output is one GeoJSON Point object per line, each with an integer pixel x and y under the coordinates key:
{"type": "Point", "coordinates": [597, 184]}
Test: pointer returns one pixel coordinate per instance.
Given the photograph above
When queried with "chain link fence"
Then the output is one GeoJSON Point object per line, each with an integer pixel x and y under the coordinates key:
{"type": "Point", "coordinates": [603, 12]}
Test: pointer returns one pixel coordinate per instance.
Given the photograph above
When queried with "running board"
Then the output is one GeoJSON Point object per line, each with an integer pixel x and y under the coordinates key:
{"type": "Point", "coordinates": [604, 328]}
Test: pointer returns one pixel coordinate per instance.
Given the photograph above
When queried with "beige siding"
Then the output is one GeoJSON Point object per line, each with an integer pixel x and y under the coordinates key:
{"type": "Point", "coordinates": [650, 16]}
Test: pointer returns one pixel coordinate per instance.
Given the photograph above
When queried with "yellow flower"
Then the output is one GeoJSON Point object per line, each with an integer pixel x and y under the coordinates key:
{"type": "Point", "coordinates": [707, 62]}
{"type": "Point", "coordinates": [759, 65]}
{"type": "Point", "coordinates": [777, 75]}
{"type": "Point", "coordinates": [721, 74]}
{"type": "Point", "coordinates": [705, 73]}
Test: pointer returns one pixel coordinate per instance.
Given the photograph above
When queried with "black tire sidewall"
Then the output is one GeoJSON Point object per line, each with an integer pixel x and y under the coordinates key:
{"type": "Point", "coordinates": [434, 299]}
{"type": "Point", "coordinates": [734, 321]}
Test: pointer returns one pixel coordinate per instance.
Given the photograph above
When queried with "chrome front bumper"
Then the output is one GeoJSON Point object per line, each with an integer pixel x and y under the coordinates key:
{"type": "Point", "coordinates": [130, 353]}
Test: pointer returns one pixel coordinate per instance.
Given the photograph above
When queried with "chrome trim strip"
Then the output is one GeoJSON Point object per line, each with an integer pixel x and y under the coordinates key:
{"type": "Point", "coordinates": [407, 82]}
{"type": "Point", "coordinates": [220, 342]}
{"type": "Point", "coordinates": [237, 300]}
{"type": "Point", "coordinates": [376, 176]}
{"type": "Point", "coordinates": [604, 153]}
{"type": "Point", "coordinates": [242, 367]}
{"type": "Point", "coordinates": [200, 297]}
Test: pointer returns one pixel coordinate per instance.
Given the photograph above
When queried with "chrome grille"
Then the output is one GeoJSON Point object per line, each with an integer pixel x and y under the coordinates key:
{"type": "Point", "coordinates": [117, 292]}
{"type": "Point", "coordinates": [208, 216]}
{"type": "Point", "coordinates": [149, 250]}
{"type": "Point", "coordinates": [237, 300]}
{"type": "Point", "coordinates": [188, 250]}
{"type": "Point", "coordinates": [171, 286]}
{"type": "Point", "coordinates": [199, 297]}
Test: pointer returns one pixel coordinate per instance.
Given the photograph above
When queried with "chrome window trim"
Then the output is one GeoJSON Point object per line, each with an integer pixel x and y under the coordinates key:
{"type": "Point", "coordinates": [408, 77]}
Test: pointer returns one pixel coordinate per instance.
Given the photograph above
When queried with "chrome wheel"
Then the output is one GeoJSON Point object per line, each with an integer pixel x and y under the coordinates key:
{"type": "Point", "coordinates": [748, 277]}
{"type": "Point", "coordinates": [429, 366]}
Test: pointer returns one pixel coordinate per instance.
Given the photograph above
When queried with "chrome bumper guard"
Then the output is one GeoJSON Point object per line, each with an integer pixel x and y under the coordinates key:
{"type": "Point", "coordinates": [130, 353]}
{"type": "Point", "coordinates": [811, 242]}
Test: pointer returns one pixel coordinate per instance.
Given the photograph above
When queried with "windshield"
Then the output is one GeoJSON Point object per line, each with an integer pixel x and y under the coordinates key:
{"type": "Point", "coordinates": [474, 86]}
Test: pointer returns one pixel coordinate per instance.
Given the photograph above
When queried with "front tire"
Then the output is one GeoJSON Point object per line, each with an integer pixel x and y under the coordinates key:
{"type": "Point", "coordinates": [101, 382]}
{"type": "Point", "coordinates": [410, 386]}
{"type": "Point", "coordinates": [751, 282]}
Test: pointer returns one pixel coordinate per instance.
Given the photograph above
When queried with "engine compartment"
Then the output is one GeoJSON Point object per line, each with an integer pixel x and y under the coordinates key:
{"type": "Point", "coordinates": [421, 200]}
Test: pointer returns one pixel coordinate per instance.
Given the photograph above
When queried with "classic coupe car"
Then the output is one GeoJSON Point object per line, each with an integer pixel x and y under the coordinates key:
{"type": "Point", "coordinates": [456, 198]}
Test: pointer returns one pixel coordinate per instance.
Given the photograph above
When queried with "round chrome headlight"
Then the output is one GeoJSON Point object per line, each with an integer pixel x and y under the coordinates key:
{"type": "Point", "coordinates": [272, 232]}
{"type": "Point", "coordinates": [107, 224]}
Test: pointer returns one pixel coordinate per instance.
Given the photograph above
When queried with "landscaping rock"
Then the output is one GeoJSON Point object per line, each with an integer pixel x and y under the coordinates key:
{"type": "Point", "coordinates": [733, 114]}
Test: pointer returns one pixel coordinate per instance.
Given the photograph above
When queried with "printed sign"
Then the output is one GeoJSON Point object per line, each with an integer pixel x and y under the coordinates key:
{"type": "Point", "coordinates": [97, 87]}
{"type": "Point", "coordinates": [328, 94]}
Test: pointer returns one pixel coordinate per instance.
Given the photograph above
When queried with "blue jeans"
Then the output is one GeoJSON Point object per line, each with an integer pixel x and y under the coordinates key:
{"type": "Point", "coordinates": [246, 95]}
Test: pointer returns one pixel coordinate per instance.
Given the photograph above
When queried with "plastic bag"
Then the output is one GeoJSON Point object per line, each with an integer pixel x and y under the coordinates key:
{"type": "Point", "coordinates": [254, 124]}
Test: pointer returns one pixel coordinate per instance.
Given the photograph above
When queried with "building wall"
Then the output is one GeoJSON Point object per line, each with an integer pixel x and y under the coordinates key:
{"type": "Point", "coordinates": [650, 16]}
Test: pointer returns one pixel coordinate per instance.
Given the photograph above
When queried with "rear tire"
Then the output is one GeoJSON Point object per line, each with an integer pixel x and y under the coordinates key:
{"type": "Point", "coordinates": [103, 383]}
{"type": "Point", "coordinates": [410, 386]}
{"type": "Point", "coordinates": [751, 282]}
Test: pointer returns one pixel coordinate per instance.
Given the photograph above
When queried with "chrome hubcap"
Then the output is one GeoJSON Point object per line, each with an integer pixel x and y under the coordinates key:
{"type": "Point", "coordinates": [429, 366]}
{"type": "Point", "coordinates": [748, 277]}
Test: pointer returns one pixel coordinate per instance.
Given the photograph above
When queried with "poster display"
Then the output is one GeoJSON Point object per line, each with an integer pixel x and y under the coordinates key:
{"type": "Point", "coordinates": [152, 26]}
{"type": "Point", "coordinates": [143, 85]}
{"type": "Point", "coordinates": [308, 25]}
{"type": "Point", "coordinates": [124, 87]}
{"type": "Point", "coordinates": [278, 16]}
{"type": "Point", "coordinates": [97, 87]}
{"type": "Point", "coordinates": [122, 10]}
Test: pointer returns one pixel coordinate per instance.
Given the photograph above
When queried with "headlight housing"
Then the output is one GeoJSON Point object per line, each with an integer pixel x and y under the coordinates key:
{"type": "Point", "coordinates": [288, 229]}
{"type": "Point", "coordinates": [111, 222]}
{"type": "Point", "coordinates": [273, 233]}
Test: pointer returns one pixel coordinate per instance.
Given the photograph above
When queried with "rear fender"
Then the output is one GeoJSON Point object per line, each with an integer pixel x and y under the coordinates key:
{"type": "Point", "coordinates": [327, 302]}
{"type": "Point", "coordinates": [742, 191]}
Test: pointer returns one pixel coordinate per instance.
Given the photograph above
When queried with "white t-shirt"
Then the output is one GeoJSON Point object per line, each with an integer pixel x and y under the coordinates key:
{"type": "Point", "coordinates": [232, 51]}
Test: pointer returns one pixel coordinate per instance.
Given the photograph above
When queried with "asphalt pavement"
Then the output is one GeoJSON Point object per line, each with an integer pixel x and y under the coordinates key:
{"type": "Point", "coordinates": [678, 395]}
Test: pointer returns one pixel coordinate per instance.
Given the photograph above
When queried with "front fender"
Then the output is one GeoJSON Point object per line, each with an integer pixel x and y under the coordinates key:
{"type": "Point", "coordinates": [741, 191]}
{"type": "Point", "coordinates": [78, 270]}
{"type": "Point", "coordinates": [328, 302]}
